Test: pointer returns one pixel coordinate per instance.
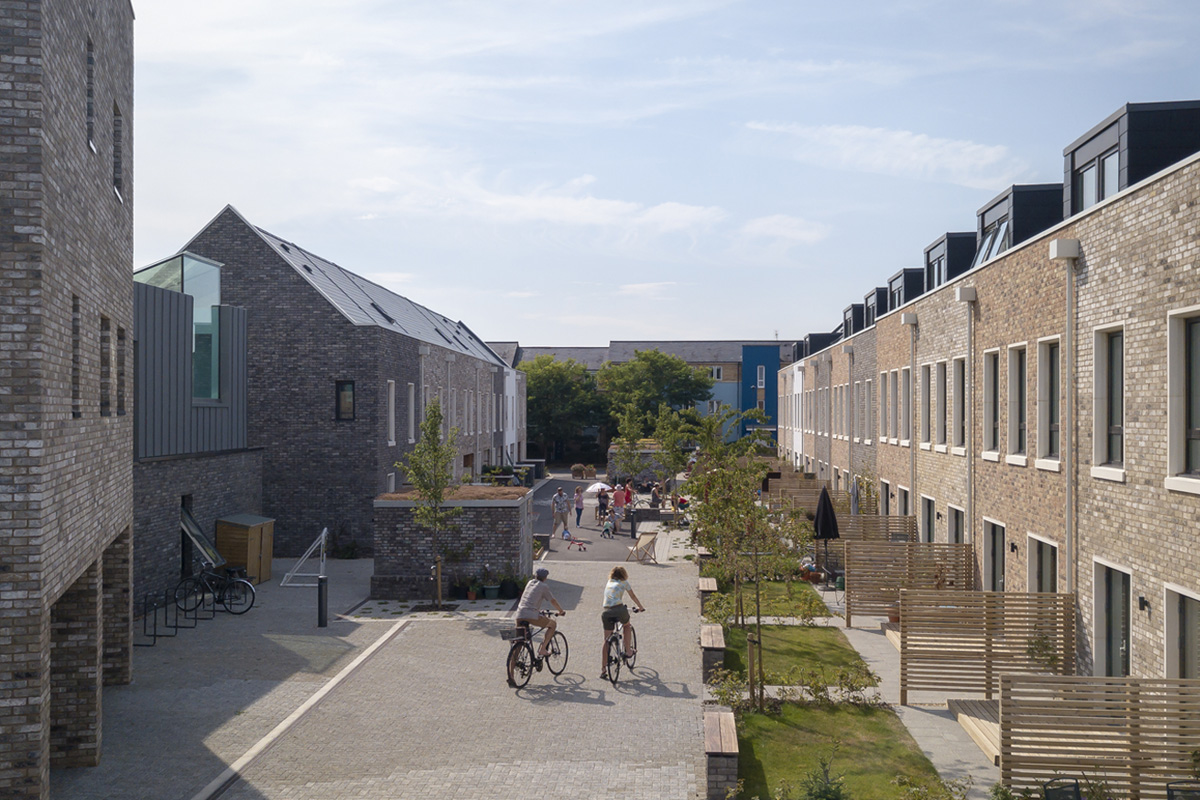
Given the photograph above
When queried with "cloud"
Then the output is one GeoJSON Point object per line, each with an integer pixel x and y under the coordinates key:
{"type": "Point", "coordinates": [898, 153]}
{"type": "Point", "coordinates": [522, 295]}
{"type": "Point", "coordinates": [645, 289]}
{"type": "Point", "coordinates": [781, 226]}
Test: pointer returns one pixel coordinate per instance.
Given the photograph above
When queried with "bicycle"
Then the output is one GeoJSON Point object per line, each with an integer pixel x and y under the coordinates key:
{"type": "Point", "coordinates": [523, 661]}
{"type": "Point", "coordinates": [230, 590]}
{"type": "Point", "coordinates": [615, 650]}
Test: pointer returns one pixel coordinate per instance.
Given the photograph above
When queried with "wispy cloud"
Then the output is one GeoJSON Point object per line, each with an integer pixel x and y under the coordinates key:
{"type": "Point", "coordinates": [782, 226]}
{"type": "Point", "coordinates": [657, 289]}
{"type": "Point", "coordinates": [898, 153]}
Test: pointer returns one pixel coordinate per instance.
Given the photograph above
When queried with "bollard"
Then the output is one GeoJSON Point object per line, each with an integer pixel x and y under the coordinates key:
{"type": "Point", "coordinates": [322, 601]}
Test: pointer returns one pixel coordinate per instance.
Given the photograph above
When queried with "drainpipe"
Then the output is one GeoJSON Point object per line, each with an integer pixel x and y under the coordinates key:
{"type": "Point", "coordinates": [910, 319]}
{"type": "Point", "coordinates": [966, 295]}
{"type": "Point", "coordinates": [1066, 252]}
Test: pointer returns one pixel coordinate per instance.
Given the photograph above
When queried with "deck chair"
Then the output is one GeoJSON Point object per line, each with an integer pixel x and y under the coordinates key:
{"type": "Point", "coordinates": [1061, 789]}
{"type": "Point", "coordinates": [1183, 790]}
{"type": "Point", "coordinates": [643, 551]}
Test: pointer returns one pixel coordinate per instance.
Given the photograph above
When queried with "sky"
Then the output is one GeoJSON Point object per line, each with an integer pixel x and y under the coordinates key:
{"type": "Point", "coordinates": [568, 173]}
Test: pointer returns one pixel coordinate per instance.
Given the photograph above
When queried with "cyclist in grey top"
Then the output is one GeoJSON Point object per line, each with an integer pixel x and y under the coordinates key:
{"type": "Point", "coordinates": [537, 592]}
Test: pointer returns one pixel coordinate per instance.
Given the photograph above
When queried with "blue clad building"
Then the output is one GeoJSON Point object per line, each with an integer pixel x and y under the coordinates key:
{"type": "Point", "coordinates": [760, 386]}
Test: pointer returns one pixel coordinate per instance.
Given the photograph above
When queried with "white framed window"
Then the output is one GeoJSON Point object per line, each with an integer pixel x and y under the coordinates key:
{"type": "Point", "coordinates": [955, 525]}
{"type": "Point", "coordinates": [894, 408]}
{"type": "Point", "coordinates": [868, 407]}
{"type": "Point", "coordinates": [412, 421]}
{"type": "Point", "coordinates": [994, 552]}
{"type": "Point", "coordinates": [1049, 407]}
{"type": "Point", "coordinates": [902, 498]}
{"type": "Point", "coordinates": [959, 417]}
{"type": "Point", "coordinates": [1183, 401]}
{"type": "Point", "coordinates": [1112, 615]}
{"type": "Point", "coordinates": [928, 518]}
{"type": "Point", "coordinates": [762, 377]}
{"type": "Point", "coordinates": [1043, 564]}
{"type": "Point", "coordinates": [1018, 403]}
{"type": "Point", "coordinates": [991, 403]}
{"type": "Point", "coordinates": [1108, 394]}
{"type": "Point", "coordinates": [906, 402]}
{"type": "Point", "coordinates": [926, 404]}
{"type": "Point", "coordinates": [883, 406]}
{"type": "Point", "coordinates": [391, 413]}
{"type": "Point", "coordinates": [1182, 651]}
{"type": "Point", "coordinates": [718, 373]}
{"type": "Point", "coordinates": [855, 412]}
{"type": "Point", "coordinates": [940, 412]}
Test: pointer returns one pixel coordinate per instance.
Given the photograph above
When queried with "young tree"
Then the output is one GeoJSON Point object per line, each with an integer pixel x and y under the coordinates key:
{"type": "Point", "coordinates": [429, 468]}
{"type": "Point", "coordinates": [674, 431]}
{"type": "Point", "coordinates": [651, 378]}
{"type": "Point", "coordinates": [561, 399]}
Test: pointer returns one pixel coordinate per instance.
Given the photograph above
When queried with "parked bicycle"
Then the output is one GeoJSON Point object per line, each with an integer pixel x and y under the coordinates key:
{"type": "Point", "coordinates": [523, 660]}
{"type": "Point", "coordinates": [231, 590]}
{"type": "Point", "coordinates": [615, 650]}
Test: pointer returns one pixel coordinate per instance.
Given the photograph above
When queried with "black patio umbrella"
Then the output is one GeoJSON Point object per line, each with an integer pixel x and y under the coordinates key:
{"type": "Point", "coordinates": [825, 523]}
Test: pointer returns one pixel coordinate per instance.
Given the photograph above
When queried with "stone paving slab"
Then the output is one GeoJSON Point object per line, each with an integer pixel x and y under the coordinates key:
{"type": "Point", "coordinates": [430, 714]}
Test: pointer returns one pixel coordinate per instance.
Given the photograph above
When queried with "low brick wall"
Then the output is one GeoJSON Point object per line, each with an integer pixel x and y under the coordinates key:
{"type": "Point", "coordinates": [499, 533]}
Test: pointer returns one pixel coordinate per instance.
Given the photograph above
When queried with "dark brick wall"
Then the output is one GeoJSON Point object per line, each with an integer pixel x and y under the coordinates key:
{"type": "Point", "coordinates": [499, 536]}
{"type": "Point", "coordinates": [219, 484]}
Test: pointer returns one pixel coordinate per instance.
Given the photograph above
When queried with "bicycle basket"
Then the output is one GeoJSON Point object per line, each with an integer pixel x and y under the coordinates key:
{"type": "Point", "coordinates": [512, 633]}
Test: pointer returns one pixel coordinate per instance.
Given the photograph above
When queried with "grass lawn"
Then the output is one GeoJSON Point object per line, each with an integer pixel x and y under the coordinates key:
{"type": "Point", "coordinates": [787, 645]}
{"type": "Point", "coordinates": [875, 748]}
{"type": "Point", "coordinates": [776, 592]}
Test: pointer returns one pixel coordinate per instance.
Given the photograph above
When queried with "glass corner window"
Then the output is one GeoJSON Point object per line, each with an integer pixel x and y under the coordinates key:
{"type": "Point", "coordinates": [200, 279]}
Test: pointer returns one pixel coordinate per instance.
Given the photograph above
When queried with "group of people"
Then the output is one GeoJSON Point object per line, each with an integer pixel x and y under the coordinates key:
{"type": "Point", "coordinates": [610, 509]}
{"type": "Point", "coordinates": [622, 496]}
{"type": "Point", "coordinates": [537, 593]}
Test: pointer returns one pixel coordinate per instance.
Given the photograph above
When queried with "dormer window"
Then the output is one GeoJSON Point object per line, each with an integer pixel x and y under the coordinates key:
{"type": "Point", "coordinates": [1098, 179]}
{"type": "Point", "coordinates": [995, 241]}
{"type": "Point", "coordinates": [935, 272]}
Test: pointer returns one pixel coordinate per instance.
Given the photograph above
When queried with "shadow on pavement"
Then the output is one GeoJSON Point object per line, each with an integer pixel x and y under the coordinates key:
{"type": "Point", "coordinates": [566, 688]}
{"type": "Point", "coordinates": [644, 680]}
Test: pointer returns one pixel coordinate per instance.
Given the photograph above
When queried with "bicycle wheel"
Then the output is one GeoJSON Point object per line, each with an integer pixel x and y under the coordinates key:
{"type": "Point", "coordinates": [238, 597]}
{"type": "Point", "coordinates": [556, 653]}
{"type": "Point", "coordinates": [629, 662]}
{"type": "Point", "coordinates": [613, 662]}
{"type": "Point", "coordinates": [520, 664]}
{"type": "Point", "coordinates": [189, 593]}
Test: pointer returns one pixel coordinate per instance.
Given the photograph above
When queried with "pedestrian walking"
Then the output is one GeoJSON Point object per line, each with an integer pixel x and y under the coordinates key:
{"type": "Point", "coordinates": [560, 504]}
{"type": "Point", "coordinates": [578, 506]}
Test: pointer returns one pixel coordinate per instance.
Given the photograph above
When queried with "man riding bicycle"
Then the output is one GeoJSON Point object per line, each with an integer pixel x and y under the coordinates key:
{"type": "Point", "coordinates": [528, 609]}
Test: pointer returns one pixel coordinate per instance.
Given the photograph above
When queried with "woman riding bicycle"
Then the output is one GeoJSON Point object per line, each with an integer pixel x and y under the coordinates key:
{"type": "Point", "coordinates": [529, 608]}
{"type": "Point", "coordinates": [616, 611]}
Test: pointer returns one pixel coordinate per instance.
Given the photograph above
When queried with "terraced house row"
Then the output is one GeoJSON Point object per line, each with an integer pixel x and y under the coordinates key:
{"type": "Point", "coordinates": [1034, 389]}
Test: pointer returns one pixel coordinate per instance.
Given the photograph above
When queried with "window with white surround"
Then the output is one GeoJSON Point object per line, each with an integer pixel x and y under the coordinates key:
{"type": "Point", "coordinates": [959, 419]}
{"type": "Point", "coordinates": [412, 426]}
{"type": "Point", "coordinates": [926, 404]}
{"type": "Point", "coordinates": [762, 377]}
{"type": "Point", "coordinates": [391, 413]}
{"type": "Point", "coordinates": [993, 555]}
{"type": "Point", "coordinates": [906, 400]}
{"type": "Point", "coordinates": [894, 407]}
{"type": "Point", "coordinates": [1183, 400]}
{"type": "Point", "coordinates": [928, 516]}
{"type": "Point", "coordinates": [1108, 432]}
{"type": "Point", "coordinates": [1182, 633]}
{"type": "Point", "coordinates": [868, 407]}
{"type": "Point", "coordinates": [883, 406]}
{"type": "Point", "coordinates": [991, 401]}
{"type": "Point", "coordinates": [1112, 612]}
{"type": "Point", "coordinates": [1049, 408]}
{"type": "Point", "coordinates": [856, 404]}
{"type": "Point", "coordinates": [955, 526]}
{"type": "Point", "coordinates": [718, 373]}
{"type": "Point", "coordinates": [1043, 565]}
{"type": "Point", "coordinates": [940, 412]}
{"type": "Point", "coordinates": [1018, 402]}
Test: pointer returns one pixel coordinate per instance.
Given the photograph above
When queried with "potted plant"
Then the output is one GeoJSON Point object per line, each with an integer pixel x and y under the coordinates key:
{"type": "Point", "coordinates": [894, 612]}
{"type": "Point", "coordinates": [510, 587]}
{"type": "Point", "coordinates": [474, 591]}
{"type": "Point", "coordinates": [589, 471]}
{"type": "Point", "coordinates": [577, 470]}
{"type": "Point", "coordinates": [491, 584]}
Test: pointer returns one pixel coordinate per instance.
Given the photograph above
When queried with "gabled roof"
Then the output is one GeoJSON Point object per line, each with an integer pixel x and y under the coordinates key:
{"type": "Point", "coordinates": [592, 358]}
{"type": "Point", "coordinates": [365, 303]}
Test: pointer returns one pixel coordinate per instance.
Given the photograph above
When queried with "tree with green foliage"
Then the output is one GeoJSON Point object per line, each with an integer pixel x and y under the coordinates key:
{"type": "Point", "coordinates": [651, 378]}
{"type": "Point", "coordinates": [674, 431]}
{"type": "Point", "coordinates": [748, 542]}
{"type": "Point", "coordinates": [429, 467]}
{"type": "Point", "coordinates": [561, 400]}
{"type": "Point", "coordinates": [627, 456]}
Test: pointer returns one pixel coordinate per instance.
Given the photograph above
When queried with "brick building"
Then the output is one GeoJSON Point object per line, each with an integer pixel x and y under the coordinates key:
{"type": "Point", "coordinates": [66, 488]}
{"type": "Point", "coordinates": [1044, 402]}
{"type": "Point", "coordinates": [339, 372]}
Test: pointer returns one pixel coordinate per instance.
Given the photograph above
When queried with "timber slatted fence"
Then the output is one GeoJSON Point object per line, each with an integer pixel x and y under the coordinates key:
{"type": "Point", "coordinates": [877, 571]}
{"type": "Point", "coordinates": [864, 528]}
{"type": "Point", "coordinates": [1134, 734]}
{"type": "Point", "coordinates": [964, 641]}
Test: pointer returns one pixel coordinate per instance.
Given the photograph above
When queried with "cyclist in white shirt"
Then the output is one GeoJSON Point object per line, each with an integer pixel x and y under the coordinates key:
{"type": "Point", "coordinates": [615, 610]}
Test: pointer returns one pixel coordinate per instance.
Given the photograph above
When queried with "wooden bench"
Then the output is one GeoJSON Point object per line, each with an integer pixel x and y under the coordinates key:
{"type": "Point", "coordinates": [703, 554]}
{"type": "Point", "coordinates": [708, 587]}
{"type": "Point", "coordinates": [643, 551]}
{"type": "Point", "coordinates": [721, 748]}
{"type": "Point", "coordinates": [712, 649]}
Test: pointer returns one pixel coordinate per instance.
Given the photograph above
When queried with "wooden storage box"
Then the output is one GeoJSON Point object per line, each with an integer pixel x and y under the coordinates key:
{"type": "Point", "coordinates": [246, 540]}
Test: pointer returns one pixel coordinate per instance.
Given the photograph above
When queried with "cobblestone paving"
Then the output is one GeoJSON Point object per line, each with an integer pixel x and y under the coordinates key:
{"type": "Point", "coordinates": [430, 715]}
